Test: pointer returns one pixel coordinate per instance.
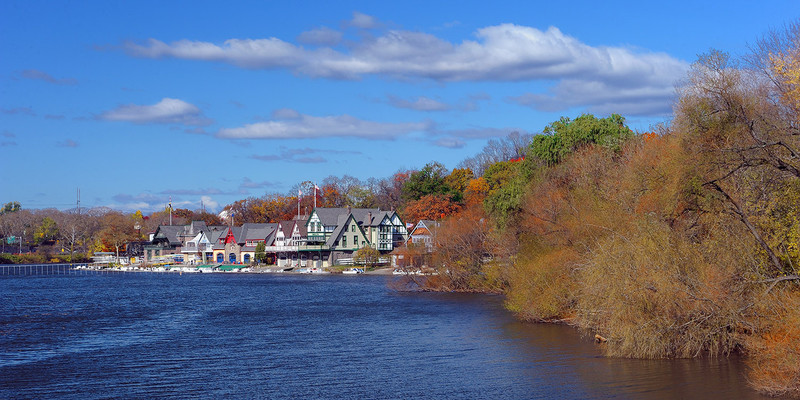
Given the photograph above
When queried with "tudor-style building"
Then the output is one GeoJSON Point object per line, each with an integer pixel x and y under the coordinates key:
{"type": "Point", "coordinates": [336, 233]}
{"type": "Point", "coordinates": [288, 237]}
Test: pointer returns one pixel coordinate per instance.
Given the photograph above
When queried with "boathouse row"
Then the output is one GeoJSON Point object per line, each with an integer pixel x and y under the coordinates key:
{"type": "Point", "coordinates": [325, 237]}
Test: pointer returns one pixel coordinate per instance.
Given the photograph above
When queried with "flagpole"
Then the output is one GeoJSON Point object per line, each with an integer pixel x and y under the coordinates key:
{"type": "Point", "coordinates": [315, 195]}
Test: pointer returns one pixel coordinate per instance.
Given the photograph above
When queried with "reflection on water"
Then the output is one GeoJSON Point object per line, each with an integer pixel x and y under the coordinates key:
{"type": "Point", "coordinates": [272, 336]}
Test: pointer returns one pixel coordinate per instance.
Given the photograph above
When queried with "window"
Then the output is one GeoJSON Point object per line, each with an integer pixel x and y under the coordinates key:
{"type": "Point", "coordinates": [352, 228]}
{"type": "Point", "coordinates": [363, 243]}
{"type": "Point", "coordinates": [344, 241]}
{"type": "Point", "coordinates": [355, 240]}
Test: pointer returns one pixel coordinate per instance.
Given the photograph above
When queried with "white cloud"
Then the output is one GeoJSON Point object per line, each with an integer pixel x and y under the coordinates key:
{"type": "Point", "coordinates": [302, 126]}
{"type": "Point", "coordinates": [151, 202]}
{"type": "Point", "coordinates": [166, 111]}
{"type": "Point", "coordinates": [322, 36]}
{"type": "Point", "coordinates": [363, 21]}
{"type": "Point", "coordinates": [422, 103]}
{"type": "Point", "coordinates": [602, 98]}
{"type": "Point", "coordinates": [450, 143]}
{"type": "Point", "coordinates": [582, 74]}
{"type": "Point", "coordinates": [208, 203]}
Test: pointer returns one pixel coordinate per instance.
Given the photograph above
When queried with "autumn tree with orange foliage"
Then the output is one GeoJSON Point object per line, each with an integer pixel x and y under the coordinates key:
{"type": "Point", "coordinates": [463, 254]}
{"type": "Point", "coordinates": [476, 191]}
{"type": "Point", "coordinates": [432, 206]}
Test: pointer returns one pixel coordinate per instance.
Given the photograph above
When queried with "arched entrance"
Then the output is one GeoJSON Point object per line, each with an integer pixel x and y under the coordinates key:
{"type": "Point", "coordinates": [247, 258]}
{"type": "Point", "coordinates": [220, 258]}
{"type": "Point", "coordinates": [232, 258]}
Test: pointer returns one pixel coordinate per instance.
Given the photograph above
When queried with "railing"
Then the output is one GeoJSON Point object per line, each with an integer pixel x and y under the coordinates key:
{"type": "Point", "coordinates": [351, 261]}
{"type": "Point", "coordinates": [311, 247]}
{"type": "Point", "coordinates": [277, 249]}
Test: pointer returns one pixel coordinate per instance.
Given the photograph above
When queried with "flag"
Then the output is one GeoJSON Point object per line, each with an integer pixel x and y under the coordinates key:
{"type": "Point", "coordinates": [316, 187]}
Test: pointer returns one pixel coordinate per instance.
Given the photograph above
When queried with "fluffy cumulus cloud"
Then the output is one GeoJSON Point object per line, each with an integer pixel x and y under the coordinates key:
{"type": "Point", "coordinates": [642, 81]}
{"type": "Point", "coordinates": [289, 124]}
{"type": "Point", "coordinates": [208, 203]}
{"type": "Point", "coordinates": [166, 111]}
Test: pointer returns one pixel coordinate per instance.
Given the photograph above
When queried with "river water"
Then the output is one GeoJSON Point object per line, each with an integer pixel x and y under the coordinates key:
{"type": "Point", "coordinates": [144, 335]}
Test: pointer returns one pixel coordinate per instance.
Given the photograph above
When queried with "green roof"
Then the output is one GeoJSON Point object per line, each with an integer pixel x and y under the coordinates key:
{"type": "Point", "coordinates": [231, 267]}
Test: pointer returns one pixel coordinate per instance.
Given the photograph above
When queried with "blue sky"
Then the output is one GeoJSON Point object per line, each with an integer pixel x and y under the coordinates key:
{"type": "Point", "coordinates": [139, 102]}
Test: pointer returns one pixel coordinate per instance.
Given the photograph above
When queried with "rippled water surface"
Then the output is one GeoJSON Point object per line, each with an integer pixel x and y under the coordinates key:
{"type": "Point", "coordinates": [141, 335]}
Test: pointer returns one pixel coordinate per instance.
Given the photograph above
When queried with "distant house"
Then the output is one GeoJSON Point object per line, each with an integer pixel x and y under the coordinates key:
{"type": "Point", "coordinates": [238, 244]}
{"type": "Point", "coordinates": [193, 241]}
{"type": "Point", "coordinates": [424, 233]}
{"type": "Point", "coordinates": [164, 242]}
{"type": "Point", "coordinates": [289, 236]}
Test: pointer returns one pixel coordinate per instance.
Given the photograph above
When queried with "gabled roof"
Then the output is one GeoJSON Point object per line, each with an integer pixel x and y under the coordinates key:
{"type": "Point", "coordinates": [170, 233]}
{"type": "Point", "coordinates": [253, 231]}
{"type": "Point", "coordinates": [364, 216]}
{"type": "Point", "coordinates": [214, 232]}
{"type": "Point", "coordinates": [194, 228]}
{"type": "Point", "coordinates": [341, 227]}
{"type": "Point", "coordinates": [341, 224]}
{"type": "Point", "coordinates": [270, 239]}
{"type": "Point", "coordinates": [286, 227]}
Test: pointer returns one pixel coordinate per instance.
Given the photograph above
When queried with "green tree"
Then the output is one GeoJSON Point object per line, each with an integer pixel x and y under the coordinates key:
{"type": "Point", "coordinates": [367, 256]}
{"type": "Point", "coordinates": [564, 136]}
{"type": "Point", "coordinates": [46, 231]}
{"type": "Point", "coordinates": [261, 254]}
{"type": "Point", "coordinates": [10, 207]}
{"type": "Point", "coordinates": [429, 180]}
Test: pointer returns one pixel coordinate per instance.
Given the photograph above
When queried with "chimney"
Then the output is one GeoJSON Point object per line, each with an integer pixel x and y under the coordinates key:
{"type": "Point", "coordinates": [349, 210]}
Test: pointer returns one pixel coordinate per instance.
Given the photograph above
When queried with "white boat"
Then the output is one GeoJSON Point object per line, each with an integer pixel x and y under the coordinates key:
{"type": "Point", "coordinates": [350, 271]}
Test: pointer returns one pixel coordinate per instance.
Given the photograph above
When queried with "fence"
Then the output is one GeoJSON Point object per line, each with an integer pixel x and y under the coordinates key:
{"type": "Point", "coordinates": [54, 269]}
